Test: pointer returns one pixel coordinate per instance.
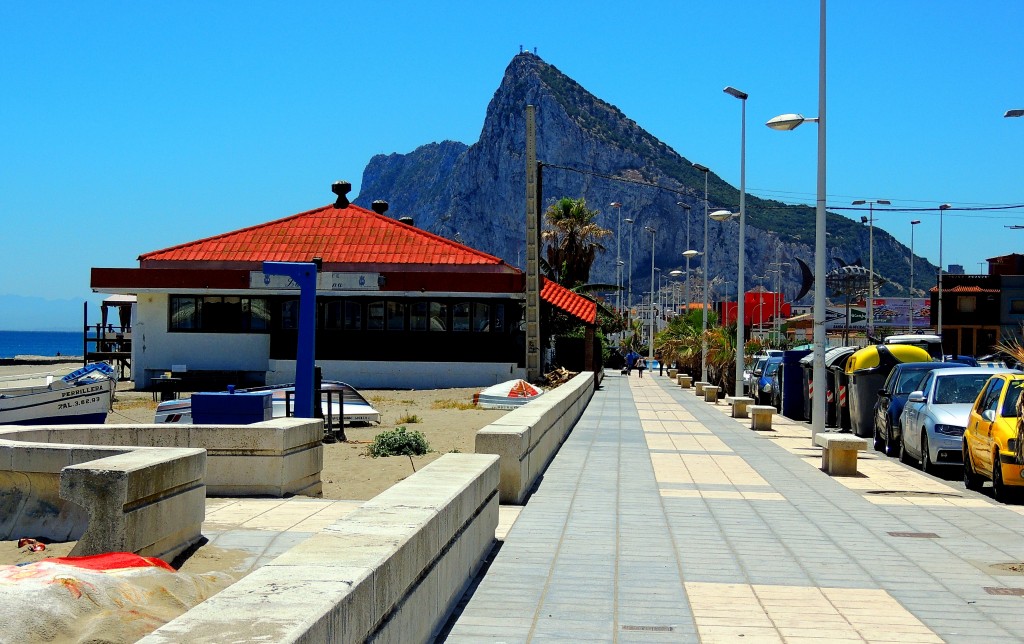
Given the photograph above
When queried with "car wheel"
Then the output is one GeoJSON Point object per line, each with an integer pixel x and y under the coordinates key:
{"type": "Point", "coordinates": [879, 441]}
{"type": "Point", "coordinates": [999, 491]}
{"type": "Point", "coordinates": [971, 480]}
{"type": "Point", "coordinates": [926, 460]}
{"type": "Point", "coordinates": [904, 456]}
{"type": "Point", "coordinates": [892, 447]}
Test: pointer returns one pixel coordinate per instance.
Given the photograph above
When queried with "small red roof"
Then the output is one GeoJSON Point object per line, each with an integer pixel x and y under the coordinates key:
{"type": "Point", "coordinates": [966, 289]}
{"type": "Point", "coordinates": [572, 303]}
{"type": "Point", "coordinates": [350, 235]}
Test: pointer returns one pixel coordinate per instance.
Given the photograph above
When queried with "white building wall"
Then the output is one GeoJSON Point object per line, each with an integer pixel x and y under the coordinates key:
{"type": "Point", "coordinates": [402, 375]}
{"type": "Point", "coordinates": [154, 350]}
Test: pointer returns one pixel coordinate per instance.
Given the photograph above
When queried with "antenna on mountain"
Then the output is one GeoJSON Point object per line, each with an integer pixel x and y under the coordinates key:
{"type": "Point", "coordinates": [534, 51]}
{"type": "Point", "coordinates": [520, 49]}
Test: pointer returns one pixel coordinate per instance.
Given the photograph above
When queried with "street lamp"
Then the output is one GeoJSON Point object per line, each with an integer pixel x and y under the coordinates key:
{"type": "Point", "coordinates": [789, 122]}
{"type": "Point", "coordinates": [778, 292]}
{"type": "Point", "coordinates": [650, 347]}
{"type": "Point", "coordinates": [675, 300]}
{"type": "Point", "coordinates": [942, 208]}
{"type": "Point", "coordinates": [910, 326]}
{"type": "Point", "coordinates": [740, 352]}
{"type": "Point", "coordinates": [618, 259]}
{"type": "Point", "coordinates": [704, 270]}
{"type": "Point", "coordinates": [629, 291]}
{"type": "Point", "coordinates": [1013, 113]}
{"type": "Point", "coordinates": [686, 207]}
{"type": "Point", "coordinates": [871, 256]}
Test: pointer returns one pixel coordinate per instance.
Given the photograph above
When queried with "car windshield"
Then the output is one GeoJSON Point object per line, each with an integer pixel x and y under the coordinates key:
{"type": "Point", "coordinates": [760, 365]}
{"type": "Point", "coordinates": [960, 388]}
{"type": "Point", "coordinates": [910, 380]}
{"type": "Point", "coordinates": [1012, 396]}
{"type": "Point", "coordinates": [771, 368]}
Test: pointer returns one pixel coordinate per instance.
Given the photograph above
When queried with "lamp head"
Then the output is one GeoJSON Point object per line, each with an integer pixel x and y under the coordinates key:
{"type": "Point", "coordinates": [628, 220]}
{"type": "Point", "coordinates": [945, 206]}
{"type": "Point", "coordinates": [691, 253]}
{"type": "Point", "coordinates": [786, 122]}
{"type": "Point", "coordinates": [722, 215]}
{"type": "Point", "coordinates": [915, 222]}
{"type": "Point", "coordinates": [1013, 113]}
{"type": "Point", "coordinates": [700, 168]}
{"type": "Point", "coordinates": [732, 91]}
{"type": "Point", "coordinates": [675, 273]}
{"type": "Point", "coordinates": [684, 205]}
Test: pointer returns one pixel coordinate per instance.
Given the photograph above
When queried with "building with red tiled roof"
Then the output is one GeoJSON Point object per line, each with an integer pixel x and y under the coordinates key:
{"type": "Point", "coordinates": [397, 306]}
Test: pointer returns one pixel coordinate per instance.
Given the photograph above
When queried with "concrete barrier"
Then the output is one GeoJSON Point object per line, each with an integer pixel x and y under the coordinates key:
{"type": "Point", "coordinates": [526, 439]}
{"type": "Point", "coordinates": [391, 571]}
{"type": "Point", "coordinates": [143, 500]}
{"type": "Point", "coordinates": [278, 457]}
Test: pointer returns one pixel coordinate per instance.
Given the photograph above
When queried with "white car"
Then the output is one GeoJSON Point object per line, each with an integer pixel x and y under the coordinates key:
{"type": "Point", "coordinates": [934, 418]}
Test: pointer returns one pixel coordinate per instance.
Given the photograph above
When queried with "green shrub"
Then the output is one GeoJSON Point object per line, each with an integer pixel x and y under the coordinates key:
{"type": "Point", "coordinates": [398, 442]}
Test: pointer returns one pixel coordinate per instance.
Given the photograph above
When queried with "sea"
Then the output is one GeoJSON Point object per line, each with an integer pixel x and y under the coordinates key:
{"type": "Point", "coordinates": [41, 343]}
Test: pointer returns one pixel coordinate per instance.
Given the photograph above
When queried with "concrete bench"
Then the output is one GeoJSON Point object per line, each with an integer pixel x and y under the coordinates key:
{"type": "Point", "coordinates": [527, 438]}
{"type": "Point", "coordinates": [739, 405]}
{"type": "Point", "coordinates": [839, 452]}
{"type": "Point", "coordinates": [761, 417]}
{"type": "Point", "coordinates": [711, 393]}
{"type": "Point", "coordinates": [391, 571]}
{"type": "Point", "coordinates": [698, 387]}
{"type": "Point", "coordinates": [672, 373]}
{"type": "Point", "coordinates": [143, 500]}
{"type": "Point", "coordinates": [684, 380]}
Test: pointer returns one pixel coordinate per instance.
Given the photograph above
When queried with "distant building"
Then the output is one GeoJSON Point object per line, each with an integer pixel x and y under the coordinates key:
{"type": "Point", "coordinates": [397, 307]}
{"type": "Point", "coordinates": [979, 311]}
{"type": "Point", "coordinates": [955, 269]}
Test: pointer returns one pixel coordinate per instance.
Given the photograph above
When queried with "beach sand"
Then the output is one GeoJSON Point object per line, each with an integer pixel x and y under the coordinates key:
{"type": "Point", "coordinates": [348, 474]}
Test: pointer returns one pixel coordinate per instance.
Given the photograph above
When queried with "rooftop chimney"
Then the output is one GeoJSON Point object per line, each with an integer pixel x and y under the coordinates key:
{"type": "Point", "coordinates": [341, 188]}
{"type": "Point", "coordinates": [379, 206]}
{"type": "Point", "coordinates": [406, 220]}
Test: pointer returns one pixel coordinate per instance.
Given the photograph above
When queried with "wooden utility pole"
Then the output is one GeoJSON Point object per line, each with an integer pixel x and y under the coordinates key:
{"type": "Point", "coordinates": [533, 356]}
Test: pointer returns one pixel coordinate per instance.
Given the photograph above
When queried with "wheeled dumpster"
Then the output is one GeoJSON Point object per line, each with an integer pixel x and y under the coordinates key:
{"type": "Point", "coordinates": [791, 381]}
{"type": "Point", "coordinates": [807, 364]}
{"type": "Point", "coordinates": [867, 370]}
{"type": "Point", "coordinates": [836, 415]}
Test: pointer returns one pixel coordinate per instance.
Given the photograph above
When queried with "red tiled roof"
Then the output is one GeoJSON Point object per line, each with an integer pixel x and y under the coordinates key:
{"type": "Point", "coordinates": [966, 289]}
{"type": "Point", "coordinates": [572, 303]}
{"type": "Point", "coordinates": [351, 235]}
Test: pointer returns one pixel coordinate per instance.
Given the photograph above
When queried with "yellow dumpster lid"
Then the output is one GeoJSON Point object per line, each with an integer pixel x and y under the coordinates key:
{"type": "Point", "coordinates": [868, 357]}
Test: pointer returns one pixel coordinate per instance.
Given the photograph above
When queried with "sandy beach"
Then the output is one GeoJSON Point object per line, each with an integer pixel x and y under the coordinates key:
{"type": "Point", "coordinates": [446, 417]}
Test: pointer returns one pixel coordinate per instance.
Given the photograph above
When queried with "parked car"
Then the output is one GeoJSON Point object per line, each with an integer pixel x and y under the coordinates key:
{"type": "Point", "coordinates": [934, 419]}
{"type": "Point", "coordinates": [991, 437]}
{"type": "Point", "coordinates": [750, 376]}
{"type": "Point", "coordinates": [903, 379]}
{"type": "Point", "coordinates": [766, 386]}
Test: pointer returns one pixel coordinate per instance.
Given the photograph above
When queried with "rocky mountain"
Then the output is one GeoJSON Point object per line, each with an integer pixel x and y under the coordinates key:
{"type": "Point", "coordinates": [476, 193]}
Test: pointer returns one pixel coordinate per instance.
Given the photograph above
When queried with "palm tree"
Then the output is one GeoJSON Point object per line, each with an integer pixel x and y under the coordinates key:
{"type": "Point", "coordinates": [573, 241]}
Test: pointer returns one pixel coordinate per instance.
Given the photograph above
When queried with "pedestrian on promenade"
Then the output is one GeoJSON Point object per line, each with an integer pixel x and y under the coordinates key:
{"type": "Point", "coordinates": [641, 364]}
{"type": "Point", "coordinates": [631, 359]}
{"type": "Point", "coordinates": [661, 363]}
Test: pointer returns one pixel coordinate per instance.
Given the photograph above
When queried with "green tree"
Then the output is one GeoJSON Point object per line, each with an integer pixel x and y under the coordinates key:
{"type": "Point", "coordinates": [573, 241]}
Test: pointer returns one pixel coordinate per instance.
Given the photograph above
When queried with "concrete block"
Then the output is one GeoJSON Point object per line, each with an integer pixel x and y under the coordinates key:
{"type": "Point", "coordinates": [698, 388]}
{"type": "Point", "coordinates": [761, 417]}
{"type": "Point", "coordinates": [711, 394]}
{"type": "Point", "coordinates": [839, 452]}
{"type": "Point", "coordinates": [740, 405]}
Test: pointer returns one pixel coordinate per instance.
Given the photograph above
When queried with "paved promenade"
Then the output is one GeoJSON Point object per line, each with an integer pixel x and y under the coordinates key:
{"type": "Point", "coordinates": [663, 519]}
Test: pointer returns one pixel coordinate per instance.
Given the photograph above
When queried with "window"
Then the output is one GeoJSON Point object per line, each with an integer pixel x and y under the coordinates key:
{"type": "Point", "coordinates": [499, 318]}
{"type": "Point", "coordinates": [184, 313]}
{"type": "Point", "coordinates": [218, 314]}
{"type": "Point", "coordinates": [353, 316]}
{"type": "Point", "coordinates": [257, 312]}
{"type": "Point", "coordinates": [1011, 399]}
{"type": "Point", "coordinates": [438, 316]}
{"type": "Point", "coordinates": [990, 399]}
{"type": "Point", "coordinates": [966, 303]}
{"type": "Point", "coordinates": [290, 314]}
{"type": "Point", "coordinates": [460, 316]}
{"type": "Point", "coordinates": [396, 316]}
{"type": "Point", "coordinates": [1017, 306]}
{"type": "Point", "coordinates": [481, 317]}
{"type": "Point", "coordinates": [418, 316]}
{"type": "Point", "coordinates": [333, 312]}
{"type": "Point", "coordinates": [375, 317]}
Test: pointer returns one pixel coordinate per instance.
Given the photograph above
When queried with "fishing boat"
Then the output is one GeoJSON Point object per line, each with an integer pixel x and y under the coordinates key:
{"type": "Point", "coordinates": [507, 395]}
{"type": "Point", "coordinates": [354, 409]}
{"type": "Point", "coordinates": [80, 397]}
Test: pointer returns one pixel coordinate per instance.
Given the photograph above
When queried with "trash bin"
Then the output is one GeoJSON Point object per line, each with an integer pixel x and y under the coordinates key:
{"type": "Point", "coordinates": [867, 370]}
{"type": "Point", "coordinates": [807, 364]}
{"type": "Point", "coordinates": [791, 381]}
{"type": "Point", "coordinates": [836, 415]}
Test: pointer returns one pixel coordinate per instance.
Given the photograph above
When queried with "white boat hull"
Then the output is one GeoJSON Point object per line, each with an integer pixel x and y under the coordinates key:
{"type": "Point", "coordinates": [83, 400]}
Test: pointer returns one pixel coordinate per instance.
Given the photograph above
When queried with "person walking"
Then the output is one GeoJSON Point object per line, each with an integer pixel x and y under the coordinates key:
{"type": "Point", "coordinates": [641, 364]}
{"type": "Point", "coordinates": [631, 359]}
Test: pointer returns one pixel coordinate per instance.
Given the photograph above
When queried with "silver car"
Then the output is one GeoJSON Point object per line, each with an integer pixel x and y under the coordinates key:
{"type": "Point", "coordinates": [934, 418]}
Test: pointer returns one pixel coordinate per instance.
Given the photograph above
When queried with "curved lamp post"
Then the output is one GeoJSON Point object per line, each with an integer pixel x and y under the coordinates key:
{"type": "Point", "coordinates": [704, 270]}
{"type": "Point", "coordinates": [618, 259]}
{"type": "Point", "coordinates": [650, 347]}
{"type": "Point", "coordinates": [910, 325]}
{"type": "Point", "coordinates": [686, 208]}
{"type": "Point", "coordinates": [723, 216]}
{"type": "Point", "coordinates": [871, 255]}
{"type": "Point", "coordinates": [740, 349]}
{"type": "Point", "coordinates": [629, 278]}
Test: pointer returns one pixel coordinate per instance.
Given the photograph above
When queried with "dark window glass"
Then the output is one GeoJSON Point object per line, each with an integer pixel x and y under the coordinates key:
{"type": "Point", "coordinates": [334, 314]}
{"type": "Point", "coordinates": [481, 317]}
{"type": "Point", "coordinates": [499, 318]}
{"type": "Point", "coordinates": [290, 314]}
{"type": "Point", "coordinates": [353, 316]}
{"type": "Point", "coordinates": [375, 317]}
{"type": "Point", "coordinates": [1016, 306]}
{"type": "Point", "coordinates": [396, 316]}
{"type": "Point", "coordinates": [418, 316]}
{"type": "Point", "coordinates": [438, 316]}
{"type": "Point", "coordinates": [184, 313]}
{"type": "Point", "coordinates": [460, 316]}
{"type": "Point", "coordinates": [1011, 399]}
{"type": "Point", "coordinates": [258, 313]}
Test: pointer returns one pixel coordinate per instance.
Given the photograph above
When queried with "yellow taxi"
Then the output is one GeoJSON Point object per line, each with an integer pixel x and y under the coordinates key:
{"type": "Point", "coordinates": [990, 440]}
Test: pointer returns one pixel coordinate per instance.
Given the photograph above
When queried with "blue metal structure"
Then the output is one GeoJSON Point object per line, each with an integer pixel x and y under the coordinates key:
{"type": "Point", "coordinates": [304, 276]}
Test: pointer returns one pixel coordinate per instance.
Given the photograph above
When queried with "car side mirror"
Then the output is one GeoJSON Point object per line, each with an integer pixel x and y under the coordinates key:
{"type": "Point", "coordinates": [916, 396]}
{"type": "Point", "coordinates": [989, 415]}
{"type": "Point", "coordinates": [882, 392]}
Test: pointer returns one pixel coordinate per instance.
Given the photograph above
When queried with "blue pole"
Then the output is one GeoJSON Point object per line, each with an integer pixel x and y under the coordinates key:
{"type": "Point", "coordinates": [304, 276]}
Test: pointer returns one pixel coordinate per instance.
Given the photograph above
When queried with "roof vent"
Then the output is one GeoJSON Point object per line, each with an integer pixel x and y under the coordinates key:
{"type": "Point", "coordinates": [379, 206]}
{"type": "Point", "coordinates": [406, 220]}
{"type": "Point", "coordinates": [341, 188]}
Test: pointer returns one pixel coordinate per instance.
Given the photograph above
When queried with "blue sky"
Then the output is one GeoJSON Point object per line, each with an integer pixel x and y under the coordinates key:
{"type": "Point", "coordinates": [129, 127]}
